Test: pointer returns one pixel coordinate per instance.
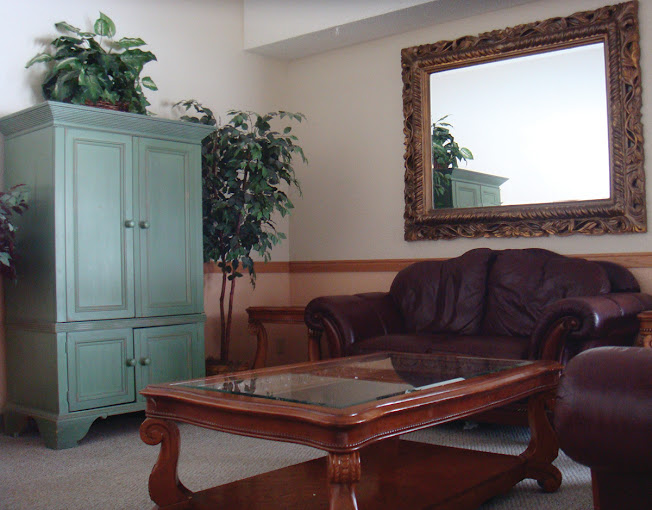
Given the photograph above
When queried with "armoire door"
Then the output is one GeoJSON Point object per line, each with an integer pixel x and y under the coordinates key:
{"type": "Point", "coordinates": [101, 368]}
{"type": "Point", "coordinates": [99, 225]}
{"type": "Point", "coordinates": [169, 223]}
{"type": "Point", "coordinates": [168, 353]}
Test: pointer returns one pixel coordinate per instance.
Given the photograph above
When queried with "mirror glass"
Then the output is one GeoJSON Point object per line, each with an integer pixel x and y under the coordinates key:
{"type": "Point", "coordinates": [531, 130]}
{"type": "Point", "coordinates": [536, 125]}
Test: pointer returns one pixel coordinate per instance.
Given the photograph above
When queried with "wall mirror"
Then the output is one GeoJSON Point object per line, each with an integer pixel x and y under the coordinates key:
{"type": "Point", "coordinates": [545, 121]}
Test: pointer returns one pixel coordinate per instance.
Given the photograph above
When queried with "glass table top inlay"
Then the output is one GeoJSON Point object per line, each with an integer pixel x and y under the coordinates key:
{"type": "Point", "coordinates": [351, 381]}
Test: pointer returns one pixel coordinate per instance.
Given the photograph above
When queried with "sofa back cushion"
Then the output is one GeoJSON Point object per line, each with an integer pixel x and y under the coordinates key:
{"type": "Point", "coordinates": [443, 296]}
{"type": "Point", "coordinates": [621, 278]}
{"type": "Point", "coordinates": [523, 282]}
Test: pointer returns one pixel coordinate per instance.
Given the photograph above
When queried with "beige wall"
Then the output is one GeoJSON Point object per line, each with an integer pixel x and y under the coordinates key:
{"type": "Point", "coordinates": [352, 206]}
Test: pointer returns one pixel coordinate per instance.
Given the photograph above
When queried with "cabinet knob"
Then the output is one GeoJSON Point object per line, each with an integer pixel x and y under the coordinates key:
{"type": "Point", "coordinates": [145, 361]}
{"type": "Point", "coordinates": [144, 224]}
{"type": "Point", "coordinates": [130, 223]}
{"type": "Point", "coordinates": [131, 362]}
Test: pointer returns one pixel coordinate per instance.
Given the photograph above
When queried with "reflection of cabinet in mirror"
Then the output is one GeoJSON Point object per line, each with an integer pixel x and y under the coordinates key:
{"type": "Point", "coordinates": [475, 189]}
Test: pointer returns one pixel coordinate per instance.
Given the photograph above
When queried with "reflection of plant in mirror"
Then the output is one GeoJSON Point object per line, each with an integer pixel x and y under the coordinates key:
{"type": "Point", "coordinates": [446, 155]}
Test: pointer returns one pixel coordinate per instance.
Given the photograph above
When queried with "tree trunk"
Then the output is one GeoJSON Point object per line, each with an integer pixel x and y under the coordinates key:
{"type": "Point", "coordinates": [227, 341]}
{"type": "Point", "coordinates": [224, 341]}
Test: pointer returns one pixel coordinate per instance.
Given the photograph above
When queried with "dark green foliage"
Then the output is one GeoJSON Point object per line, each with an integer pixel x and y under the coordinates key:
{"type": "Point", "coordinates": [446, 154]}
{"type": "Point", "coordinates": [246, 172]}
{"type": "Point", "coordinates": [13, 201]}
{"type": "Point", "coordinates": [87, 67]}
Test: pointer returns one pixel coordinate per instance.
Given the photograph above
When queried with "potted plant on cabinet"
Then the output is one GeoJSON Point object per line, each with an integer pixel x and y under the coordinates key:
{"type": "Point", "coordinates": [91, 68]}
{"type": "Point", "coordinates": [12, 201]}
{"type": "Point", "coordinates": [247, 173]}
{"type": "Point", "coordinates": [446, 154]}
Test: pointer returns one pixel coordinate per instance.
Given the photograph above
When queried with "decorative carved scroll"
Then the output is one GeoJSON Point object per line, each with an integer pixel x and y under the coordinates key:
{"type": "Point", "coordinates": [165, 489]}
{"type": "Point", "coordinates": [625, 211]}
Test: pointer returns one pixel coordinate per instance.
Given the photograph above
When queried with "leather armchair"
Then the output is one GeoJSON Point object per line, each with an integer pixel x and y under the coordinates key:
{"type": "Point", "coordinates": [603, 417]}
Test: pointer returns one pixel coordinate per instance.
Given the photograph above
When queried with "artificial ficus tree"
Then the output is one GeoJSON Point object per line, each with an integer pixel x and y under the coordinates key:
{"type": "Point", "coordinates": [247, 173]}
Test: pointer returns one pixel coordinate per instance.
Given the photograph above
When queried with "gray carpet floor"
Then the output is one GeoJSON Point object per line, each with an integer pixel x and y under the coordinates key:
{"type": "Point", "coordinates": [110, 467]}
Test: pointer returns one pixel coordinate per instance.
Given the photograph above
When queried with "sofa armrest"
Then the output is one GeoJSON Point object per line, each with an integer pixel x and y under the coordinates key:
{"type": "Point", "coordinates": [572, 325]}
{"type": "Point", "coordinates": [348, 319]}
{"type": "Point", "coordinates": [603, 411]}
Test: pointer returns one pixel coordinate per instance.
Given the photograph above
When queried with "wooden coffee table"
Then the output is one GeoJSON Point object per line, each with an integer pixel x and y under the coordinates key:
{"type": "Point", "coordinates": [355, 408]}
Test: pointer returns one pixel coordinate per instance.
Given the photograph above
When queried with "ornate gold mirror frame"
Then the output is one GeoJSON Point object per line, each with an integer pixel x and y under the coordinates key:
{"type": "Point", "coordinates": [624, 211]}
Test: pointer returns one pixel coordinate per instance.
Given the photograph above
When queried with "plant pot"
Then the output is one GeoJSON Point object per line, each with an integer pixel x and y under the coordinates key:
{"type": "Point", "coordinates": [215, 366]}
{"type": "Point", "coordinates": [119, 106]}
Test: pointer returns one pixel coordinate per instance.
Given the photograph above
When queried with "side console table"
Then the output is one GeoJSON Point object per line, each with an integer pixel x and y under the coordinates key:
{"type": "Point", "coordinates": [259, 315]}
{"type": "Point", "coordinates": [645, 329]}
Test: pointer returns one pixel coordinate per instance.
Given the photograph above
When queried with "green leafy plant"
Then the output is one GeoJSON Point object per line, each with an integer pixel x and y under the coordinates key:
{"type": "Point", "coordinates": [12, 201]}
{"type": "Point", "coordinates": [446, 155]}
{"type": "Point", "coordinates": [93, 68]}
{"type": "Point", "coordinates": [246, 172]}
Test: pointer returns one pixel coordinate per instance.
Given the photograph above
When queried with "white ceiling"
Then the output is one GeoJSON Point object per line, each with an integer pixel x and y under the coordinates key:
{"type": "Point", "coordinates": [291, 29]}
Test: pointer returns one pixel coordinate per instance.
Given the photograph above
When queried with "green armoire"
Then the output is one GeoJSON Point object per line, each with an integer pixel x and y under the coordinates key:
{"type": "Point", "coordinates": [109, 296]}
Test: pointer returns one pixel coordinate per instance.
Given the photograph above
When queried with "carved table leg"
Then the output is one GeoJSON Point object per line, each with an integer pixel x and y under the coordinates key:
{"type": "Point", "coordinates": [343, 474]}
{"type": "Point", "coordinates": [165, 489]}
{"type": "Point", "coordinates": [257, 328]}
{"type": "Point", "coordinates": [543, 447]}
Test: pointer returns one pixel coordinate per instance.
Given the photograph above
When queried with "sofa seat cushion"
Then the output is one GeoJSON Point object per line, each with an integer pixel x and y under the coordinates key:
{"type": "Point", "coordinates": [505, 347]}
{"type": "Point", "coordinates": [443, 296]}
{"type": "Point", "coordinates": [523, 282]}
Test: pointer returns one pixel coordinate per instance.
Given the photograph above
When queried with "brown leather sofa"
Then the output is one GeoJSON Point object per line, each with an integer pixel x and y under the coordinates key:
{"type": "Point", "coordinates": [516, 303]}
{"type": "Point", "coordinates": [603, 417]}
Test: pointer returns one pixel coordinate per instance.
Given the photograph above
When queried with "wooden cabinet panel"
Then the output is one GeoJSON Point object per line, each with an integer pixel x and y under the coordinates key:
{"type": "Point", "coordinates": [110, 367]}
{"type": "Point", "coordinates": [490, 196]}
{"type": "Point", "coordinates": [167, 353]}
{"type": "Point", "coordinates": [100, 368]}
{"type": "Point", "coordinates": [167, 229]}
{"type": "Point", "coordinates": [466, 194]}
{"type": "Point", "coordinates": [475, 189]}
{"type": "Point", "coordinates": [98, 245]}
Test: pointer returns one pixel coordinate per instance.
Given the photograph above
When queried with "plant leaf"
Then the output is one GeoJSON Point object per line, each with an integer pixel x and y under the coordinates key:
{"type": "Point", "coordinates": [131, 42]}
{"type": "Point", "coordinates": [63, 87]}
{"type": "Point", "coordinates": [136, 58]}
{"type": "Point", "coordinates": [149, 83]}
{"type": "Point", "coordinates": [92, 84]}
{"type": "Point", "coordinates": [104, 26]}
{"type": "Point", "coordinates": [41, 57]}
{"type": "Point", "coordinates": [67, 63]}
{"type": "Point", "coordinates": [63, 26]}
{"type": "Point", "coordinates": [466, 153]}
